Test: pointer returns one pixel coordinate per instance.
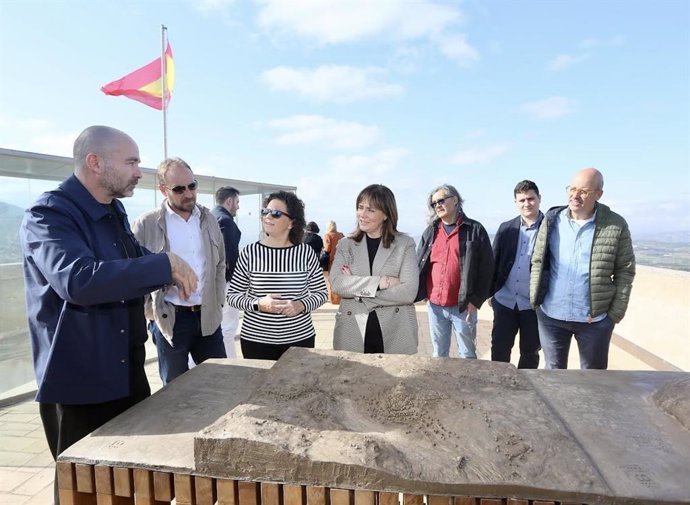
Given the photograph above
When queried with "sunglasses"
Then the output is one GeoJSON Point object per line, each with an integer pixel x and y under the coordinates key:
{"type": "Point", "coordinates": [440, 201]}
{"type": "Point", "coordinates": [178, 190]}
{"type": "Point", "coordinates": [275, 214]}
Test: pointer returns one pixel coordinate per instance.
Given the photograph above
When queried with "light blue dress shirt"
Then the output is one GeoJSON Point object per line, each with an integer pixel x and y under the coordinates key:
{"type": "Point", "coordinates": [570, 247]}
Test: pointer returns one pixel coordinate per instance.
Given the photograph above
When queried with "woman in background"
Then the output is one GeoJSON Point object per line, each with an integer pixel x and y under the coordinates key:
{"type": "Point", "coordinates": [375, 272]}
{"type": "Point", "coordinates": [277, 282]}
{"type": "Point", "coordinates": [330, 242]}
{"type": "Point", "coordinates": [312, 237]}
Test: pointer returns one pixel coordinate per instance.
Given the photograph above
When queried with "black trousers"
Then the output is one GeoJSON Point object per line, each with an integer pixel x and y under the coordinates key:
{"type": "Point", "coordinates": [259, 350]}
{"type": "Point", "coordinates": [64, 425]}
{"type": "Point", "coordinates": [507, 322]}
{"type": "Point", "coordinates": [373, 336]}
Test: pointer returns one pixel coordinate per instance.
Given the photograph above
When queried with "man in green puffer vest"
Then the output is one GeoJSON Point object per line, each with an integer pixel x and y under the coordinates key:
{"type": "Point", "coordinates": [583, 267]}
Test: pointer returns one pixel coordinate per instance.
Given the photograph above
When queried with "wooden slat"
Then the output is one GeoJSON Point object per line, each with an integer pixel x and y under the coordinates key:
{"type": "Point", "coordinates": [490, 501]}
{"type": "Point", "coordinates": [86, 482]}
{"type": "Point", "coordinates": [386, 498]}
{"type": "Point", "coordinates": [369, 497]}
{"type": "Point", "coordinates": [249, 493]}
{"type": "Point", "coordinates": [184, 489]}
{"type": "Point", "coordinates": [342, 497]}
{"type": "Point", "coordinates": [270, 493]}
{"type": "Point", "coordinates": [143, 488]}
{"type": "Point", "coordinates": [123, 482]}
{"type": "Point", "coordinates": [464, 500]}
{"type": "Point", "coordinates": [316, 495]}
{"type": "Point", "coordinates": [413, 499]}
{"type": "Point", "coordinates": [205, 491]}
{"type": "Point", "coordinates": [516, 501]}
{"type": "Point", "coordinates": [65, 476]}
{"type": "Point", "coordinates": [541, 502]}
{"type": "Point", "coordinates": [104, 480]}
{"type": "Point", "coordinates": [163, 488]}
{"type": "Point", "coordinates": [438, 500]}
{"type": "Point", "coordinates": [105, 487]}
{"type": "Point", "coordinates": [293, 495]}
{"type": "Point", "coordinates": [227, 492]}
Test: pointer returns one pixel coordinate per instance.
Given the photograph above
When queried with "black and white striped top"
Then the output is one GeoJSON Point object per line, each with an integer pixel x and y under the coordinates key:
{"type": "Point", "coordinates": [292, 272]}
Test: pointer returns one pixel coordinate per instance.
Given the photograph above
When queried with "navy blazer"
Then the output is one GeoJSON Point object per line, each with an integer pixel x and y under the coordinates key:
{"type": "Point", "coordinates": [77, 284]}
{"type": "Point", "coordinates": [231, 238]}
{"type": "Point", "coordinates": [505, 248]}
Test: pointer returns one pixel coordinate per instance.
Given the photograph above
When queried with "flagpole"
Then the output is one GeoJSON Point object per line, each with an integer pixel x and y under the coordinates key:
{"type": "Point", "coordinates": [164, 78]}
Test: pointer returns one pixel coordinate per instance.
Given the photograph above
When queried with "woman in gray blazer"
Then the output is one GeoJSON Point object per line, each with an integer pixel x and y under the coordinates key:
{"type": "Point", "coordinates": [375, 272]}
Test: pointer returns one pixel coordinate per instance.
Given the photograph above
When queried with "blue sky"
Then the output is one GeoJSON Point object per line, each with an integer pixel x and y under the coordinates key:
{"type": "Point", "coordinates": [334, 95]}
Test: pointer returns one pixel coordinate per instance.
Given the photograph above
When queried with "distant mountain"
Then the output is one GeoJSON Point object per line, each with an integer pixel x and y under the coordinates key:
{"type": "Point", "coordinates": [10, 218]}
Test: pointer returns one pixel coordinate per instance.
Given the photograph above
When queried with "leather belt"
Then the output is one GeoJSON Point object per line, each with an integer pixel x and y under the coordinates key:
{"type": "Point", "coordinates": [187, 308]}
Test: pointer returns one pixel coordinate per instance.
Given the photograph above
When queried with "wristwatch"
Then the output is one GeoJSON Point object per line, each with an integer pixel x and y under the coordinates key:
{"type": "Point", "coordinates": [255, 306]}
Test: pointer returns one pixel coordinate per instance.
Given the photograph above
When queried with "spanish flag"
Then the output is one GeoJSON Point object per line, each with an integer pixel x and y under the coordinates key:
{"type": "Point", "coordinates": [145, 85]}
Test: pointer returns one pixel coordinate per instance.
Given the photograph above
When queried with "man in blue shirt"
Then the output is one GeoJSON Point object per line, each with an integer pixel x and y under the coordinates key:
{"type": "Point", "coordinates": [86, 276]}
{"type": "Point", "coordinates": [583, 267]}
{"type": "Point", "coordinates": [513, 246]}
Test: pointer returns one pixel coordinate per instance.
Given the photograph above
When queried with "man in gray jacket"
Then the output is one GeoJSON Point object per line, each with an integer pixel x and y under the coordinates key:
{"type": "Point", "coordinates": [583, 267]}
{"type": "Point", "coordinates": [182, 327]}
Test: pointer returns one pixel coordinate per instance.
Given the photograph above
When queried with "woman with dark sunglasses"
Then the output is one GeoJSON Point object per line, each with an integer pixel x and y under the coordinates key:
{"type": "Point", "coordinates": [277, 282]}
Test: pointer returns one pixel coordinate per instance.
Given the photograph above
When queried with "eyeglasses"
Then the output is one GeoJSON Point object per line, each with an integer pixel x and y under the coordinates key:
{"type": "Point", "coordinates": [178, 190]}
{"type": "Point", "coordinates": [275, 214]}
{"type": "Point", "coordinates": [440, 201]}
{"type": "Point", "coordinates": [584, 193]}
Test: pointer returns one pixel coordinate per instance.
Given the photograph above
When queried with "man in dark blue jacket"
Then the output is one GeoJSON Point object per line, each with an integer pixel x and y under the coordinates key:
{"type": "Point", "coordinates": [85, 277]}
{"type": "Point", "coordinates": [227, 205]}
{"type": "Point", "coordinates": [513, 245]}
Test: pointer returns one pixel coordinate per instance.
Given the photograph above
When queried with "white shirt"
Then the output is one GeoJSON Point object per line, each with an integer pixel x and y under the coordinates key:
{"type": "Point", "coordinates": [185, 240]}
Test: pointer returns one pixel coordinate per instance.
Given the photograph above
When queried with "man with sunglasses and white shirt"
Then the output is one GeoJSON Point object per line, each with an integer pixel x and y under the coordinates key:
{"type": "Point", "coordinates": [456, 264]}
{"type": "Point", "coordinates": [183, 327]}
{"type": "Point", "coordinates": [583, 266]}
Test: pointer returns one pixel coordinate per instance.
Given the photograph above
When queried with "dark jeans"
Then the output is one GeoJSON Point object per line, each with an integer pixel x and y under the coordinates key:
{"type": "Point", "coordinates": [259, 350]}
{"type": "Point", "coordinates": [65, 425]}
{"type": "Point", "coordinates": [592, 339]}
{"type": "Point", "coordinates": [507, 322]}
{"type": "Point", "coordinates": [173, 360]}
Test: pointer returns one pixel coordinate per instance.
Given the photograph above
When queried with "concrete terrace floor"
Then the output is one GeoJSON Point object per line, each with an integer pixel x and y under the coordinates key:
{"type": "Point", "coordinates": [27, 468]}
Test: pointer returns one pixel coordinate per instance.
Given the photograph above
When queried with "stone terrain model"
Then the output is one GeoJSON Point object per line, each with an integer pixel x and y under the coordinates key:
{"type": "Point", "coordinates": [457, 427]}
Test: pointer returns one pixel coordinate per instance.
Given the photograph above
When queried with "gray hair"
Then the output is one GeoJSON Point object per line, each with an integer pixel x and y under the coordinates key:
{"type": "Point", "coordinates": [449, 191]}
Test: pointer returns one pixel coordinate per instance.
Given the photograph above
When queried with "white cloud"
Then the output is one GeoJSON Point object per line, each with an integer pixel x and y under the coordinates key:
{"type": "Point", "coordinates": [32, 124]}
{"type": "Point", "coordinates": [341, 84]}
{"type": "Point", "coordinates": [476, 133]}
{"type": "Point", "coordinates": [563, 61]}
{"type": "Point", "coordinates": [455, 47]}
{"type": "Point", "coordinates": [485, 154]}
{"type": "Point", "coordinates": [331, 193]}
{"type": "Point", "coordinates": [550, 108]}
{"type": "Point", "coordinates": [337, 21]}
{"type": "Point", "coordinates": [59, 144]}
{"type": "Point", "coordinates": [317, 129]}
{"type": "Point", "coordinates": [35, 135]}
{"type": "Point", "coordinates": [589, 42]}
{"type": "Point", "coordinates": [210, 6]}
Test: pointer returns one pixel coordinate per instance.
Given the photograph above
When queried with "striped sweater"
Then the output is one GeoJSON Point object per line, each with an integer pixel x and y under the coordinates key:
{"type": "Point", "coordinates": [292, 272]}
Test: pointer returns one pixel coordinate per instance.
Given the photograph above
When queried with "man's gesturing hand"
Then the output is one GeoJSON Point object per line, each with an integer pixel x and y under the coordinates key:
{"type": "Point", "coordinates": [182, 275]}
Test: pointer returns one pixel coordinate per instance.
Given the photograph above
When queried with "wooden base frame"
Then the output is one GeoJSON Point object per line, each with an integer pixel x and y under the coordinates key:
{"type": "Point", "coordinates": [81, 484]}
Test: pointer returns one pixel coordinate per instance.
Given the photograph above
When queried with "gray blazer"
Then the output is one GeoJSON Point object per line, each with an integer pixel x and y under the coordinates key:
{"type": "Point", "coordinates": [151, 232]}
{"type": "Point", "coordinates": [394, 306]}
